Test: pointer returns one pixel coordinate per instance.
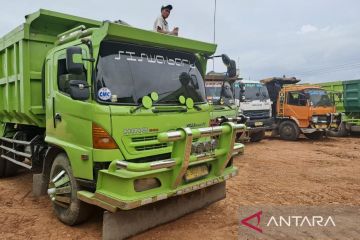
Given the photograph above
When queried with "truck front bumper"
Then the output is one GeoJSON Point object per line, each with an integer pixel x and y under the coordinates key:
{"type": "Point", "coordinates": [325, 122]}
{"type": "Point", "coordinates": [257, 125]}
{"type": "Point", "coordinates": [117, 186]}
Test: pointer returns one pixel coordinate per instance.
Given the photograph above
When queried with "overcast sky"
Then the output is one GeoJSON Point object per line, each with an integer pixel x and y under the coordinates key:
{"type": "Point", "coordinates": [316, 40]}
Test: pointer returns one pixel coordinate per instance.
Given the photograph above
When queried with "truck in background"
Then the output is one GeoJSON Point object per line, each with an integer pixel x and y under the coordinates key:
{"type": "Point", "coordinates": [347, 101]}
{"type": "Point", "coordinates": [220, 95]}
{"type": "Point", "coordinates": [253, 101]}
{"type": "Point", "coordinates": [106, 114]}
{"type": "Point", "coordinates": [299, 109]}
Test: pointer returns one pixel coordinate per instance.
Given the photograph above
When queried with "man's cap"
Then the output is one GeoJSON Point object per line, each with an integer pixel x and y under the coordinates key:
{"type": "Point", "coordinates": [170, 7]}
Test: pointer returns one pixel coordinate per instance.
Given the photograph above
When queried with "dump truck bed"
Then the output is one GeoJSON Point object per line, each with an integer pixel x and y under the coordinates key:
{"type": "Point", "coordinates": [350, 102]}
{"type": "Point", "coordinates": [352, 96]}
{"type": "Point", "coordinates": [22, 55]}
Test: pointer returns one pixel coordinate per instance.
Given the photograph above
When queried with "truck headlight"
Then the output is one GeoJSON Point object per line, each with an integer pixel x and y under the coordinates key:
{"type": "Point", "coordinates": [315, 119]}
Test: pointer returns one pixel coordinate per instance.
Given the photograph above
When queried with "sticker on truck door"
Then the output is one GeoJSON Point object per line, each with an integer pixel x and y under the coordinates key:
{"type": "Point", "coordinates": [104, 94]}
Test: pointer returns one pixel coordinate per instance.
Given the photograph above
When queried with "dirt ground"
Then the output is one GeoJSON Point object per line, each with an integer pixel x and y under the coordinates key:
{"type": "Point", "coordinates": [271, 172]}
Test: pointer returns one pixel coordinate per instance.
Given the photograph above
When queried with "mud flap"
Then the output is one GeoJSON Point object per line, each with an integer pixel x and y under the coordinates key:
{"type": "Point", "coordinates": [126, 223]}
{"type": "Point", "coordinates": [40, 185]}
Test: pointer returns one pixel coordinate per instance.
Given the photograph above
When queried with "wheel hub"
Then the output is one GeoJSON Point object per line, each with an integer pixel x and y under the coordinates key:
{"type": "Point", "coordinates": [60, 189]}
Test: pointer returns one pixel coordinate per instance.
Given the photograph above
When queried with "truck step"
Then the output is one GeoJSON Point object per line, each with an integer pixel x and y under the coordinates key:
{"type": "Point", "coordinates": [126, 223]}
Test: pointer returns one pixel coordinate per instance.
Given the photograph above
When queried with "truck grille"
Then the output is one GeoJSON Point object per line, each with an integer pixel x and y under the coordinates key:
{"type": "Point", "coordinates": [323, 118]}
{"type": "Point", "coordinates": [257, 114]}
{"type": "Point", "coordinates": [150, 147]}
{"type": "Point", "coordinates": [146, 146]}
{"type": "Point", "coordinates": [143, 139]}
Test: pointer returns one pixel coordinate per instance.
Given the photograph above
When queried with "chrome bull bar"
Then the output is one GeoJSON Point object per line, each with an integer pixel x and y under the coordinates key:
{"type": "Point", "coordinates": [181, 155]}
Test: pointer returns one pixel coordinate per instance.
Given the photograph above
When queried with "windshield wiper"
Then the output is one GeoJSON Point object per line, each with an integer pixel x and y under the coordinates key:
{"type": "Point", "coordinates": [137, 108]}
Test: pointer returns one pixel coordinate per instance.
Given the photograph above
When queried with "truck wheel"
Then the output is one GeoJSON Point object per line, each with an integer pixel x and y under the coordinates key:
{"type": "Point", "coordinates": [340, 132]}
{"type": "Point", "coordinates": [315, 135]}
{"type": "Point", "coordinates": [7, 169]}
{"type": "Point", "coordinates": [63, 190]}
{"type": "Point", "coordinates": [257, 137]}
{"type": "Point", "coordinates": [288, 130]}
{"type": "Point", "coordinates": [2, 167]}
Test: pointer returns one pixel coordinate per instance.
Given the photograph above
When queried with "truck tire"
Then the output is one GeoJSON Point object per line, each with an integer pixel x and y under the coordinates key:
{"type": "Point", "coordinates": [340, 132]}
{"type": "Point", "coordinates": [315, 135]}
{"type": "Point", "coordinates": [257, 136]}
{"type": "Point", "coordinates": [67, 207]}
{"type": "Point", "coordinates": [288, 130]}
{"type": "Point", "coordinates": [7, 168]}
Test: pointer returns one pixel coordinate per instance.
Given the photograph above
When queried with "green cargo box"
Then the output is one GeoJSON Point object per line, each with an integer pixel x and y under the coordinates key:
{"type": "Point", "coordinates": [22, 55]}
{"type": "Point", "coordinates": [350, 101]}
{"type": "Point", "coordinates": [352, 96]}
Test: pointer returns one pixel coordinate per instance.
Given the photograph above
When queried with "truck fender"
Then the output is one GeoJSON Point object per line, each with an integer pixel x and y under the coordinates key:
{"type": "Point", "coordinates": [295, 120]}
{"type": "Point", "coordinates": [41, 180]}
{"type": "Point", "coordinates": [50, 155]}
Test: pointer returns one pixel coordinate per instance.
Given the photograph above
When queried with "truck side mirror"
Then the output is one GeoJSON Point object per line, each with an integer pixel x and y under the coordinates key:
{"type": "Point", "coordinates": [231, 70]}
{"type": "Point", "coordinates": [79, 89]}
{"type": "Point", "coordinates": [230, 64]}
{"type": "Point", "coordinates": [242, 91]}
{"type": "Point", "coordinates": [74, 61]}
{"type": "Point", "coordinates": [226, 90]}
{"type": "Point", "coordinates": [242, 88]}
{"type": "Point", "coordinates": [226, 60]}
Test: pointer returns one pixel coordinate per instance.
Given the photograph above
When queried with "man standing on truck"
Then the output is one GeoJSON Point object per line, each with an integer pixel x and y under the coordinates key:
{"type": "Point", "coordinates": [161, 25]}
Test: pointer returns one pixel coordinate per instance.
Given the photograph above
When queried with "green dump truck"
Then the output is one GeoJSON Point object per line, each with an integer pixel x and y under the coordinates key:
{"type": "Point", "coordinates": [110, 115]}
{"type": "Point", "coordinates": [347, 99]}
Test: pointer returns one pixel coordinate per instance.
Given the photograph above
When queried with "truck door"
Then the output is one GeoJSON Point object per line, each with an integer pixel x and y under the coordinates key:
{"type": "Point", "coordinates": [69, 124]}
{"type": "Point", "coordinates": [297, 106]}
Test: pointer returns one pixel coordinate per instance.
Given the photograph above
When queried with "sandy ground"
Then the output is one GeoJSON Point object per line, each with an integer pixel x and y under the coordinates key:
{"type": "Point", "coordinates": [271, 172]}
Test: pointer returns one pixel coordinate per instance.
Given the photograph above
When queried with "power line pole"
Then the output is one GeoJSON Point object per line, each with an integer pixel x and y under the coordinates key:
{"type": "Point", "coordinates": [214, 39]}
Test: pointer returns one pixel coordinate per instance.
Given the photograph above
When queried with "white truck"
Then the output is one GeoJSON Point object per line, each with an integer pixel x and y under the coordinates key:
{"type": "Point", "coordinates": [253, 101]}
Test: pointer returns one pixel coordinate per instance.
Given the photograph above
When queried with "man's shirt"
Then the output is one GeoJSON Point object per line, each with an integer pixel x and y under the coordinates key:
{"type": "Point", "coordinates": [160, 22]}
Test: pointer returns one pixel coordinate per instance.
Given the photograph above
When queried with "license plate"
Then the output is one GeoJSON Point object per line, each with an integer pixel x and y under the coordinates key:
{"type": "Point", "coordinates": [258, 124]}
{"type": "Point", "coordinates": [196, 172]}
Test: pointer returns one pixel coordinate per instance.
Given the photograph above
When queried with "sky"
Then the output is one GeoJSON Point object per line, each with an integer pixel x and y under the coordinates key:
{"type": "Point", "coordinates": [316, 41]}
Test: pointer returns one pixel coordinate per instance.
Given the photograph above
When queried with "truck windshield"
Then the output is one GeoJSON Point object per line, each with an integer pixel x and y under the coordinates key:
{"type": "Point", "coordinates": [319, 97]}
{"type": "Point", "coordinates": [217, 90]}
{"type": "Point", "coordinates": [253, 91]}
{"type": "Point", "coordinates": [127, 72]}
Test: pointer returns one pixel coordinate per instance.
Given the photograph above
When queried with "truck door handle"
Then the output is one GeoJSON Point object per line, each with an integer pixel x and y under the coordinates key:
{"type": "Point", "coordinates": [57, 117]}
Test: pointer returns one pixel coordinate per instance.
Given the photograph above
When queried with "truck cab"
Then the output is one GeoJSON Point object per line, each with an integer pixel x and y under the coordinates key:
{"type": "Point", "coordinates": [306, 109]}
{"type": "Point", "coordinates": [253, 101]}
